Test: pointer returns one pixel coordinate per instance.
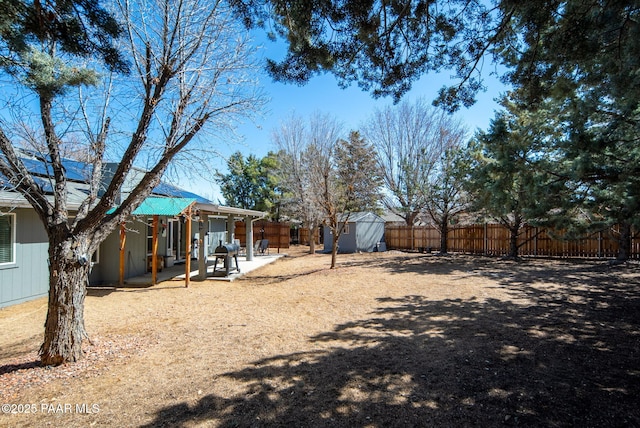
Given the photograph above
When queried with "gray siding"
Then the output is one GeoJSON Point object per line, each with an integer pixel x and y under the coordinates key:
{"type": "Point", "coordinates": [348, 242]}
{"type": "Point", "coordinates": [364, 235]}
{"type": "Point", "coordinates": [106, 271]}
{"type": "Point", "coordinates": [135, 249]}
{"type": "Point", "coordinates": [217, 233]}
{"type": "Point", "coordinates": [369, 233]}
{"type": "Point", "coordinates": [28, 278]}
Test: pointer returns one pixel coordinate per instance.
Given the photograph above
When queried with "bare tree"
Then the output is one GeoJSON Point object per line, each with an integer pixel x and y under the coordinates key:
{"type": "Point", "coordinates": [409, 140]}
{"type": "Point", "coordinates": [190, 67]}
{"type": "Point", "coordinates": [327, 177]}
{"type": "Point", "coordinates": [295, 159]}
{"type": "Point", "coordinates": [344, 180]}
{"type": "Point", "coordinates": [445, 194]}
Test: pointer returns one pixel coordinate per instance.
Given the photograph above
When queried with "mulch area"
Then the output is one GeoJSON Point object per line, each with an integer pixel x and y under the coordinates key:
{"type": "Point", "coordinates": [21, 373]}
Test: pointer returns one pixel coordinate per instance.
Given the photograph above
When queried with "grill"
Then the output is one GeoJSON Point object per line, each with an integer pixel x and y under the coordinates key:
{"type": "Point", "coordinates": [227, 253]}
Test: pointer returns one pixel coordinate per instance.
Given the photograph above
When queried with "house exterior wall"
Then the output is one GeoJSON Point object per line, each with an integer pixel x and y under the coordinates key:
{"type": "Point", "coordinates": [217, 232]}
{"type": "Point", "coordinates": [107, 270]}
{"type": "Point", "coordinates": [28, 277]}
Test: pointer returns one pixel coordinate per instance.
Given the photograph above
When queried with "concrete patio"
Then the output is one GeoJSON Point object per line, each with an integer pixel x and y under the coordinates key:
{"type": "Point", "coordinates": [176, 272]}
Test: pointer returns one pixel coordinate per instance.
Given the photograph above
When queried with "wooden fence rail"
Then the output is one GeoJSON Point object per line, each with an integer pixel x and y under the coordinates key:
{"type": "Point", "coordinates": [493, 239]}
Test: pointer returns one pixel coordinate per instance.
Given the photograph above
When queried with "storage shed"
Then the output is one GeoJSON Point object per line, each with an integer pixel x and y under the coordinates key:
{"type": "Point", "coordinates": [363, 231]}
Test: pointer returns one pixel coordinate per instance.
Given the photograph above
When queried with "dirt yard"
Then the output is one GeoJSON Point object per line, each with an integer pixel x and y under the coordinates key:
{"type": "Point", "coordinates": [387, 339]}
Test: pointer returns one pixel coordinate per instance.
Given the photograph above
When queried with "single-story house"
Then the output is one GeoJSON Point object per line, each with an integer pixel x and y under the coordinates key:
{"type": "Point", "coordinates": [363, 231]}
{"type": "Point", "coordinates": [170, 212]}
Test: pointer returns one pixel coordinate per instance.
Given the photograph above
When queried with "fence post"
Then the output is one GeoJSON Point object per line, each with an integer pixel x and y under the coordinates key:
{"type": "Point", "coordinates": [486, 240]}
{"type": "Point", "coordinates": [600, 244]}
{"type": "Point", "coordinates": [413, 246]}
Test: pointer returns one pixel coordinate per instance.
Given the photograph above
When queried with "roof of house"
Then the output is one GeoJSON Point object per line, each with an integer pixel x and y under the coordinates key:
{"type": "Point", "coordinates": [166, 189]}
{"type": "Point", "coordinates": [165, 199]}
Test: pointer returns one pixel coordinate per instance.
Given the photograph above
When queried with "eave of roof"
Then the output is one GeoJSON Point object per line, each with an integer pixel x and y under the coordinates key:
{"type": "Point", "coordinates": [212, 209]}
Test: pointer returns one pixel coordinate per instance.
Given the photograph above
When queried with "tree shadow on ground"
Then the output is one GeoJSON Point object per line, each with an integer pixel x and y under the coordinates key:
{"type": "Point", "coordinates": [261, 280]}
{"type": "Point", "coordinates": [561, 357]}
{"type": "Point", "coordinates": [103, 291]}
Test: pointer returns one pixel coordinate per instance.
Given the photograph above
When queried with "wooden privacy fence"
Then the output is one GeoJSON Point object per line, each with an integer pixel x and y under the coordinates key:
{"type": "Point", "coordinates": [276, 233]}
{"type": "Point", "coordinates": [493, 239]}
{"type": "Point", "coordinates": [303, 236]}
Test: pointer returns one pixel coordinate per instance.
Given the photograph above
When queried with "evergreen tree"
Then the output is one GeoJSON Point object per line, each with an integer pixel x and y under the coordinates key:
{"type": "Point", "coordinates": [508, 176]}
{"type": "Point", "coordinates": [250, 183]}
{"type": "Point", "coordinates": [357, 184]}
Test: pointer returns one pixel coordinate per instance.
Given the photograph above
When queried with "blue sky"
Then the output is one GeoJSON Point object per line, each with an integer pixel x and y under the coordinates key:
{"type": "Point", "coordinates": [351, 105]}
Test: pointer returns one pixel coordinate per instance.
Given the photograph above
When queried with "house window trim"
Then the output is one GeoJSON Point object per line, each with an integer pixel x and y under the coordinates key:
{"type": "Point", "coordinates": [13, 261]}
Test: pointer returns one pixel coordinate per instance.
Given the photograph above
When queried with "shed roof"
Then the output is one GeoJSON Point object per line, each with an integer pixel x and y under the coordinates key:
{"type": "Point", "coordinates": [362, 216]}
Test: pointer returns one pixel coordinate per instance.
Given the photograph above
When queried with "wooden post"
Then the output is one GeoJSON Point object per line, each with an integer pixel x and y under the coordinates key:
{"type": "Point", "coordinates": [187, 263]}
{"type": "Point", "coordinates": [600, 244]}
{"type": "Point", "coordinates": [154, 250]}
{"type": "Point", "coordinates": [486, 240]}
{"type": "Point", "coordinates": [413, 246]}
{"type": "Point", "coordinates": [123, 240]}
{"type": "Point", "coordinates": [203, 228]}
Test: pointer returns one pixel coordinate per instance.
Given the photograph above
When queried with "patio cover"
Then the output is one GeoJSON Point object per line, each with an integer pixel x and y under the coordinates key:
{"type": "Point", "coordinates": [155, 207]}
{"type": "Point", "coordinates": [170, 207]}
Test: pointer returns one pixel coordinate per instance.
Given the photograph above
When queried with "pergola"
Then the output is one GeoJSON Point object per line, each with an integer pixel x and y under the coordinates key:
{"type": "Point", "coordinates": [173, 207]}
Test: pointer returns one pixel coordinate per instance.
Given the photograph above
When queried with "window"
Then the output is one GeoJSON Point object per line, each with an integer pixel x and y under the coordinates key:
{"type": "Point", "coordinates": [7, 238]}
{"type": "Point", "coordinates": [149, 235]}
{"type": "Point", "coordinates": [345, 229]}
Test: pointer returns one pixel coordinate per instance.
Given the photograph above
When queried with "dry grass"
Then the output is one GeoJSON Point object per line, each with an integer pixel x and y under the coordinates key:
{"type": "Point", "coordinates": [387, 339]}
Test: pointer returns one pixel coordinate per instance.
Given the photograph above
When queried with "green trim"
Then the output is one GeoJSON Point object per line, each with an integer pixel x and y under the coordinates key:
{"type": "Point", "coordinates": [169, 207]}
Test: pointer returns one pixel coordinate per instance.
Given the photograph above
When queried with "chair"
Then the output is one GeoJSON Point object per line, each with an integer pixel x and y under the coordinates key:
{"type": "Point", "coordinates": [264, 246]}
{"type": "Point", "coordinates": [256, 247]}
{"type": "Point", "coordinates": [242, 251]}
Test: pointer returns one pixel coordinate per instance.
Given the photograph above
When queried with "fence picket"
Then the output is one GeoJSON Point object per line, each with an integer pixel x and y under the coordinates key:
{"type": "Point", "coordinates": [493, 239]}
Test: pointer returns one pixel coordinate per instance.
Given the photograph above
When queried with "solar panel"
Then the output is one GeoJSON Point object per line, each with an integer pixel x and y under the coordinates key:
{"type": "Point", "coordinates": [77, 171]}
{"type": "Point", "coordinates": [166, 189]}
{"type": "Point", "coordinates": [74, 170]}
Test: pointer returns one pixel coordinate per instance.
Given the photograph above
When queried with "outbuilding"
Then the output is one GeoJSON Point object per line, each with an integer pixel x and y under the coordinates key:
{"type": "Point", "coordinates": [362, 231]}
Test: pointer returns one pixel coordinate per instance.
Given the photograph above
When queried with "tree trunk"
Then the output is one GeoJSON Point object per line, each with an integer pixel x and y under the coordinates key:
{"type": "Point", "coordinates": [64, 326]}
{"type": "Point", "coordinates": [312, 238]}
{"type": "Point", "coordinates": [444, 232]}
{"type": "Point", "coordinates": [624, 250]}
{"type": "Point", "coordinates": [334, 249]}
{"type": "Point", "coordinates": [513, 242]}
